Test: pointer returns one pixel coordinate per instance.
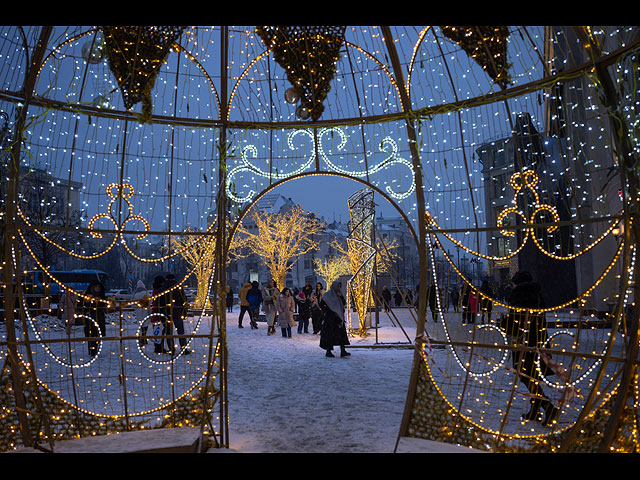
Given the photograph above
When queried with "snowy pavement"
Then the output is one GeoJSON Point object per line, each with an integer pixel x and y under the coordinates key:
{"type": "Point", "coordinates": [286, 396]}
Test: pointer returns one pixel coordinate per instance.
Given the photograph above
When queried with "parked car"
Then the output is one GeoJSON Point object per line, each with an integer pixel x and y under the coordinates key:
{"type": "Point", "coordinates": [121, 294]}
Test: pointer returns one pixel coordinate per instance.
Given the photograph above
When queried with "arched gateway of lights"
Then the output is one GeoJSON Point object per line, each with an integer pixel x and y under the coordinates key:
{"type": "Point", "coordinates": [515, 146]}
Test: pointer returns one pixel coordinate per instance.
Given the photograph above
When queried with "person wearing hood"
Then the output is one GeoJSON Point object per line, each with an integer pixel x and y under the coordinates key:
{"type": "Point", "coordinates": [529, 328]}
{"type": "Point", "coordinates": [244, 304]}
{"type": "Point", "coordinates": [142, 310]}
{"type": "Point", "coordinates": [334, 330]}
{"type": "Point", "coordinates": [93, 306]}
{"type": "Point", "coordinates": [285, 307]}
{"type": "Point", "coordinates": [173, 304]}
{"type": "Point", "coordinates": [254, 299]}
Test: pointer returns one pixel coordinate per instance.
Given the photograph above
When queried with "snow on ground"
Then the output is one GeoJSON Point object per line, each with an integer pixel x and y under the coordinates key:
{"type": "Point", "coordinates": [286, 396]}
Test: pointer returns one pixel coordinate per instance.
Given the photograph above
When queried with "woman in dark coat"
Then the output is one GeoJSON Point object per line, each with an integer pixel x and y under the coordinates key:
{"type": "Point", "coordinates": [431, 297]}
{"type": "Point", "coordinates": [334, 330]}
{"type": "Point", "coordinates": [529, 329]}
{"type": "Point", "coordinates": [159, 322]}
{"type": "Point", "coordinates": [486, 305]}
{"type": "Point", "coordinates": [316, 313]}
{"type": "Point", "coordinates": [94, 311]}
{"type": "Point", "coordinates": [229, 299]}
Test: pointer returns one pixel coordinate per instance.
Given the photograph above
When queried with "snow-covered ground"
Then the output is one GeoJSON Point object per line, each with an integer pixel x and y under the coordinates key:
{"type": "Point", "coordinates": [286, 396]}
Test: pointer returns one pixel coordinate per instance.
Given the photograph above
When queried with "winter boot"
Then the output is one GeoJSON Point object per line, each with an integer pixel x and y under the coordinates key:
{"type": "Point", "coordinates": [329, 354]}
{"type": "Point", "coordinates": [343, 352]}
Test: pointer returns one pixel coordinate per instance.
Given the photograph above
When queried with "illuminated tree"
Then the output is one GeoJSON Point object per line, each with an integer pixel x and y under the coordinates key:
{"type": "Point", "coordinates": [200, 255]}
{"type": "Point", "coordinates": [281, 238]}
{"type": "Point", "coordinates": [386, 254]}
{"type": "Point", "coordinates": [332, 267]}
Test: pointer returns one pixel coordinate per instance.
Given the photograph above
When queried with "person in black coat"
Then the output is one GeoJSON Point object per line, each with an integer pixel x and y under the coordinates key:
{"type": "Point", "coordinates": [229, 299]}
{"type": "Point", "coordinates": [397, 299]}
{"type": "Point", "coordinates": [465, 304]}
{"type": "Point", "coordinates": [173, 304]}
{"type": "Point", "coordinates": [94, 309]}
{"type": "Point", "coordinates": [455, 298]}
{"type": "Point", "coordinates": [316, 312]}
{"type": "Point", "coordinates": [486, 305]}
{"type": "Point", "coordinates": [432, 291]}
{"type": "Point", "coordinates": [386, 298]}
{"type": "Point", "coordinates": [334, 330]}
{"type": "Point", "coordinates": [529, 329]}
{"type": "Point", "coordinates": [254, 297]}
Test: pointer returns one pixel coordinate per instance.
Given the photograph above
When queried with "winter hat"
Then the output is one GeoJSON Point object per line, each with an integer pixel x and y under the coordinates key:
{"type": "Point", "coordinates": [522, 277]}
{"type": "Point", "coordinates": [140, 284]}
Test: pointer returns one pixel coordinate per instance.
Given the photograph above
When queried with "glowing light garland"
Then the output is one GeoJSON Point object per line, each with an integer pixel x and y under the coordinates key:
{"type": "Point", "coordinates": [246, 166]}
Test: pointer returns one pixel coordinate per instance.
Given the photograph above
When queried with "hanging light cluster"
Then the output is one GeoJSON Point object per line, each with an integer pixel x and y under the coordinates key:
{"type": "Point", "coordinates": [487, 45]}
{"type": "Point", "coordinates": [309, 55]}
{"type": "Point", "coordinates": [135, 55]}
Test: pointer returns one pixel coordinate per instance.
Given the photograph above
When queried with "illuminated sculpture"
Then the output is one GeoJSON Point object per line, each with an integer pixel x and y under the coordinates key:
{"type": "Point", "coordinates": [362, 254]}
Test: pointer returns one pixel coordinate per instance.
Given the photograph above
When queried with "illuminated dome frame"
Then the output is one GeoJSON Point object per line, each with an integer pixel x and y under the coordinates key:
{"type": "Point", "coordinates": [517, 145]}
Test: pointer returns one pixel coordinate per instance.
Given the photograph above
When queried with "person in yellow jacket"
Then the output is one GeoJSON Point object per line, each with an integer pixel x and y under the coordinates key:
{"type": "Point", "coordinates": [244, 304]}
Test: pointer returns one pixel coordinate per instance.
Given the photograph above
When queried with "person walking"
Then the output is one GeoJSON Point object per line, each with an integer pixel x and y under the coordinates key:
{"type": "Point", "coordinates": [455, 298]}
{"type": "Point", "coordinates": [316, 313]}
{"type": "Point", "coordinates": [295, 298]}
{"type": "Point", "coordinates": [285, 308]}
{"type": "Point", "coordinates": [229, 299]}
{"type": "Point", "coordinates": [142, 310]}
{"type": "Point", "coordinates": [432, 292]}
{"type": "Point", "coordinates": [397, 298]}
{"type": "Point", "coordinates": [93, 306]}
{"type": "Point", "coordinates": [67, 309]}
{"type": "Point", "coordinates": [486, 305]}
{"type": "Point", "coordinates": [254, 299]}
{"type": "Point", "coordinates": [304, 310]}
{"type": "Point", "coordinates": [529, 328]}
{"type": "Point", "coordinates": [386, 298]}
{"type": "Point", "coordinates": [269, 297]}
{"type": "Point", "coordinates": [465, 299]}
{"type": "Point", "coordinates": [244, 304]}
{"type": "Point", "coordinates": [474, 305]}
{"type": "Point", "coordinates": [334, 330]}
{"type": "Point", "coordinates": [173, 303]}
{"type": "Point", "coordinates": [158, 320]}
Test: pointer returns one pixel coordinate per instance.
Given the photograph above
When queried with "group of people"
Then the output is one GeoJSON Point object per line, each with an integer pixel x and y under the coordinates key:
{"type": "Point", "coordinates": [164, 313]}
{"type": "Point", "coordinates": [471, 302]}
{"type": "Point", "coordinates": [323, 311]}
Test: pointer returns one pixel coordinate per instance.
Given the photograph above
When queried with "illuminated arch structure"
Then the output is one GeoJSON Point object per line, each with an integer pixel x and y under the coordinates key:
{"type": "Point", "coordinates": [431, 116]}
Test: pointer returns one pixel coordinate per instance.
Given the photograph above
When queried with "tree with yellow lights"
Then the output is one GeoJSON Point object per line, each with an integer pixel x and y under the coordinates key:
{"type": "Point", "coordinates": [332, 267]}
{"type": "Point", "coordinates": [385, 255]}
{"type": "Point", "coordinates": [199, 254]}
{"type": "Point", "coordinates": [281, 238]}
